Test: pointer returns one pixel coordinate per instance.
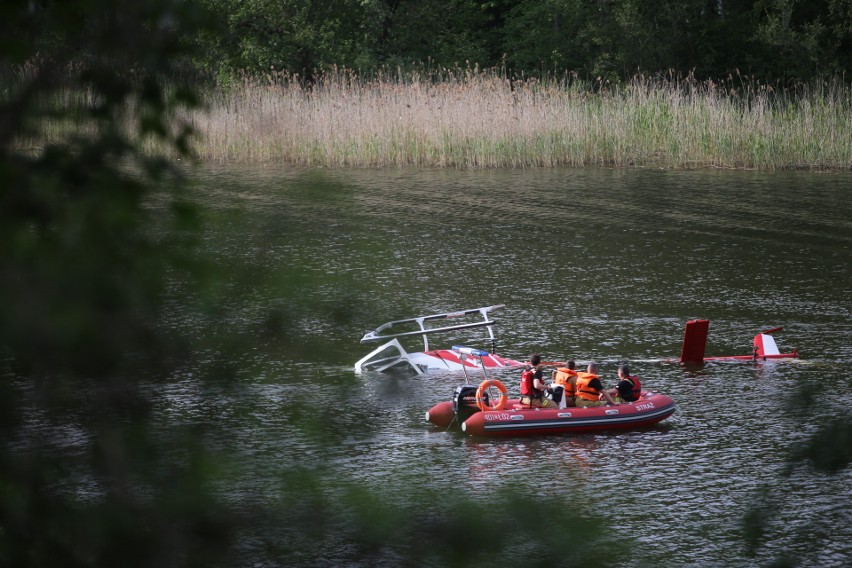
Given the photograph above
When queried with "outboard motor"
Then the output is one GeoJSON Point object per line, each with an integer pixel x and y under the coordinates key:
{"type": "Point", "coordinates": [464, 402]}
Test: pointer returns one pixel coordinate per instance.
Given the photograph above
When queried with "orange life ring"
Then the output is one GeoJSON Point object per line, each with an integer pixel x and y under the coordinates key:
{"type": "Point", "coordinates": [480, 395]}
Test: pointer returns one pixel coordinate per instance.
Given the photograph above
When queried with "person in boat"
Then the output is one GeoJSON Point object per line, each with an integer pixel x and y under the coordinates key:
{"type": "Point", "coordinates": [589, 389]}
{"type": "Point", "coordinates": [629, 387]}
{"type": "Point", "coordinates": [565, 379]}
{"type": "Point", "coordinates": [533, 389]}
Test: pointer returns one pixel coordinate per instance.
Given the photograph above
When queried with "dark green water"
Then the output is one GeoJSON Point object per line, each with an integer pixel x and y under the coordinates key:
{"type": "Point", "coordinates": [592, 264]}
{"type": "Point", "coordinates": [596, 264]}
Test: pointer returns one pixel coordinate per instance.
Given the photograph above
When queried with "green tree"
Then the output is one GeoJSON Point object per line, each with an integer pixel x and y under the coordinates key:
{"type": "Point", "coordinates": [86, 87]}
{"type": "Point", "coordinates": [447, 33]}
{"type": "Point", "coordinates": [607, 39]}
{"type": "Point", "coordinates": [88, 265]}
{"type": "Point", "coordinates": [95, 236]}
{"type": "Point", "coordinates": [771, 39]}
{"type": "Point", "coordinates": [549, 36]}
{"type": "Point", "coordinates": [296, 36]}
{"type": "Point", "coordinates": [802, 40]}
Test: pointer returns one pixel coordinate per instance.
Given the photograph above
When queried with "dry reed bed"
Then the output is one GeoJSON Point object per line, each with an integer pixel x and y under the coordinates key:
{"type": "Point", "coordinates": [481, 120]}
{"type": "Point", "coordinates": [476, 119]}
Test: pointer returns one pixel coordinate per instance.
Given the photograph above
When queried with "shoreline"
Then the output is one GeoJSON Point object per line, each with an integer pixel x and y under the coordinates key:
{"type": "Point", "coordinates": [484, 121]}
{"type": "Point", "coordinates": [481, 120]}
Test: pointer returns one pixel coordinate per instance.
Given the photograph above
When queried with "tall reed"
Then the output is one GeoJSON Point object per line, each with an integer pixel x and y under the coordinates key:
{"type": "Point", "coordinates": [471, 118]}
{"type": "Point", "coordinates": [480, 119]}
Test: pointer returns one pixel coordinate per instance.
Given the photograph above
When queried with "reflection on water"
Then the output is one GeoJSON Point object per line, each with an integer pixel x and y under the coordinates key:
{"type": "Point", "coordinates": [592, 265]}
{"type": "Point", "coordinates": [600, 265]}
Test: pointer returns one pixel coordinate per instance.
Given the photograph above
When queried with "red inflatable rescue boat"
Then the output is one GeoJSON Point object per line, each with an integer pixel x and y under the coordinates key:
{"type": "Point", "coordinates": [486, 410]}
{"type": "Point", "coordinates": [519, 421]}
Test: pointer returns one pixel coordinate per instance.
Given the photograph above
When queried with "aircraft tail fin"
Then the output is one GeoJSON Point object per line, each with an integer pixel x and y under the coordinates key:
{"type": "Point", "coordinates": [764, 343]}
{"type": "Point", "coordinates": [695, 341]}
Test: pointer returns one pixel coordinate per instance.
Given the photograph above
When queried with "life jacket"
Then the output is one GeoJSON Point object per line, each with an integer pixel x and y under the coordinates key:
{"type": "Point", "coordinates": [527, 382]}
{"type": "Point", "coordinates": [583, 390]}
{"type": "Point", "coordinates": [637, 388]}
{"type": "Point", "coordinates": [567, 378]}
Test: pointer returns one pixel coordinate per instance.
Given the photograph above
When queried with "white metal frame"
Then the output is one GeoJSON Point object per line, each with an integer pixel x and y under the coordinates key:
{"type": "Point", "coordinates": [402, 355]}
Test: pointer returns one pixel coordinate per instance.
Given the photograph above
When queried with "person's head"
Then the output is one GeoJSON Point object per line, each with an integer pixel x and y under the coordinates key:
{"type": "Point", "coordinates": [593, 368]}
{"type": "Point", "coordinates": [535, 360]}
{"type": "Point", "coordinates": [572, 365]}
{"type": "Point", "coordinates": [624, 371]}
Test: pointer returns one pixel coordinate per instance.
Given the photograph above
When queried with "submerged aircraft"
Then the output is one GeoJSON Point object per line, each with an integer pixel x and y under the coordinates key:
{"type": "Point", "coordinates": [695, 343]}
{"type": "Point", "coordinates": [392, 355]}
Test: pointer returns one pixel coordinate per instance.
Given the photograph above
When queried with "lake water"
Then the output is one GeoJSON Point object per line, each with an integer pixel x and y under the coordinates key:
{"type": "Point", "coordinates": [596, 264]}
{"type": "Point", "coordinates": [591, 264]}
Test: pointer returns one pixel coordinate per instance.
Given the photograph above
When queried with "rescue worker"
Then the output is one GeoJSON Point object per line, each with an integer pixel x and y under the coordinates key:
{"type": "Point", "coordinates": [565, 379]}
{"type": "Point", "coordinates": [533, 389]}
{"type": "Point", "coordinates": [629, 387]}
{"type": "Point", "coordinates": [590, 391]}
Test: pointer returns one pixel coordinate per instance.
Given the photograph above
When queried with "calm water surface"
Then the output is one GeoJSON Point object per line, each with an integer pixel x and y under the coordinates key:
{"type": "Point", "coordinates": [597, 265]}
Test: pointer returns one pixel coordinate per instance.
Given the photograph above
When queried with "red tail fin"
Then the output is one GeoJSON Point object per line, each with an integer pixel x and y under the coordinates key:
{"type": "Point", "coordinates": [694, 341]}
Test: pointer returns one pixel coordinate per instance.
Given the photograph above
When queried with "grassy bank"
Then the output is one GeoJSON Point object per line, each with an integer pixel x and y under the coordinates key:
{"type": "Point", "coordinates": [476, 119]}
{"type": "Point", "coordinates": [480, 120]}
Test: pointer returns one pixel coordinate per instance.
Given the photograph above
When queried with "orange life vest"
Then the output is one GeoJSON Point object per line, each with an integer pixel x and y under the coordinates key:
{"type": "Point", "coordinates": [583, 390]}
{"type": "Point", "coordinates": [567, 378]}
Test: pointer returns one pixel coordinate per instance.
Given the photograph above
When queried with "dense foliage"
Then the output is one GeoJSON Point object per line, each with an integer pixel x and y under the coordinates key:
{"type": "Point", "coordinates": [82, 278]}
{"type": "Point", "coordinates": [96, 242]}
{"type": "Point", "coordinates": [86, 268]}
{"type": "Point", "coordinates": [769, 39]}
